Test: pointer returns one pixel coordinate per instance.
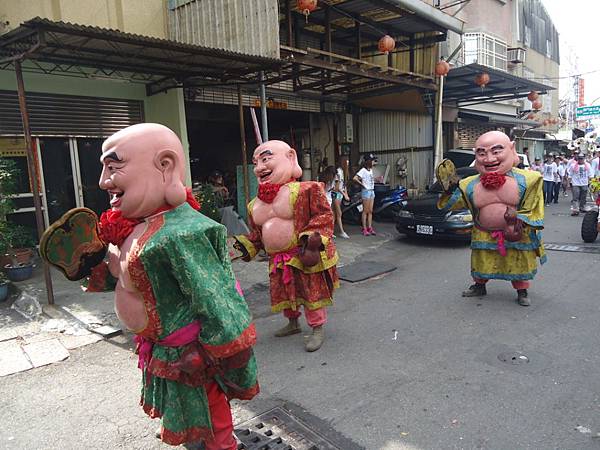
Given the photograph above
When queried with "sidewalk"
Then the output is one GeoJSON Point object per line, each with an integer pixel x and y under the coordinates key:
{"type": "Point", "coordinates": [77, 318]}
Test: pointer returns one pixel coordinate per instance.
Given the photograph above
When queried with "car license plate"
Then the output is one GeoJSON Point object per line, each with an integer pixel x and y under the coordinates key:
{"type": "Point", "coordinates": [425, 229]}
{"type": "Point", "coordinates": [359, 207]}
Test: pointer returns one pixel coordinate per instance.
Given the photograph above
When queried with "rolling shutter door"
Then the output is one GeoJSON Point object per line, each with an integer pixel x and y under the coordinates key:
{"type": "Point", "coordinates": [68, 115]}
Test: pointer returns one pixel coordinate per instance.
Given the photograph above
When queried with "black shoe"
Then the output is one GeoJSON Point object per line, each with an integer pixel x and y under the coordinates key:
{"type": "Point", "coordinates": [556, 203]}
{"type": "Point", "coordinates": [522, 298]}
{"type": "Point", "coordinates": [475, 290]}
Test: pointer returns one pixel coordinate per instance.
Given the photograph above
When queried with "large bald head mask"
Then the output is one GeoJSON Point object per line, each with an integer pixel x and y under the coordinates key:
{"type": "Point", "coordinates": [143, 169]}
{"type": "Point", "coordinates": [494, 152]}
{"type": "Point", "coordinates": [275, 162]}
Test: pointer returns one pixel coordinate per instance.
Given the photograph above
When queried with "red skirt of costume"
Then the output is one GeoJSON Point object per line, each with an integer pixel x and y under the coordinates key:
{"type": "Point", "coordinates": [313, 290]}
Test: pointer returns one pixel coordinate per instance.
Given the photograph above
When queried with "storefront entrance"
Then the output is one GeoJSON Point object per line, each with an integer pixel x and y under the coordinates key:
{"type": "Point", "coordinates": [69, 169]}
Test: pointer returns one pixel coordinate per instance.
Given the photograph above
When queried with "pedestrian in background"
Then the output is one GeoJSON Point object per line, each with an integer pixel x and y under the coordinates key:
{"type": "Point", "coordinates": [537, 165]}
{"type": "Point", "coordinates": [339, 194]}
{"type": "Point", "coordinates": [579, 174]}
{"type": "Point", "coordinates": [562, 172]}
{"type": "Point", "coordinates": [365, 178]}
{"type": "Point", "coordinates": [549, 171]}
{"type": "Point", "coordinates": [557, 181]}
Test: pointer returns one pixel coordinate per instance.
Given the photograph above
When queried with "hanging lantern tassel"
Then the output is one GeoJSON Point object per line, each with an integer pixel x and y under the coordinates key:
{"type": "Point", "coordinates": [307, 6]}
{"type": "Point", "coordinates": [386, 44]}
{"type": "Point", "coordinates": [482, 79]}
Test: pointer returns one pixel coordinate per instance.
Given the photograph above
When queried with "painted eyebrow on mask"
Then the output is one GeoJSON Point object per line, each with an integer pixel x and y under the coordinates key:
{"type": "Point", "coordinates": [111, 155]}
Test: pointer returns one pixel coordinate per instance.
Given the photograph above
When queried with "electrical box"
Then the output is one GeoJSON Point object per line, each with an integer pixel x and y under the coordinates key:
{"type": "Point", "coordinates": [347, 129]}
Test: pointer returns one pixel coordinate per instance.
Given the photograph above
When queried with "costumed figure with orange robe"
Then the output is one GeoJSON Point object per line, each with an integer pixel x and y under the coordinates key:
{"type": "Point", "coordinates": [293, 222]}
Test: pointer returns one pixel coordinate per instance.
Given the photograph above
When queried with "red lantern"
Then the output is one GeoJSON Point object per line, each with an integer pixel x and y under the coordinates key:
{"type": "Point", "coordinates": [482, 79]}
{"type": "Point", "coordinates": [386, 44]}
{"type": "Point", "coordinates": [536, 104]}
{"type": "Point", "coordinates": [531, 116]}
{"type": "Point", "coordinates": [442, 68]}
{"type": "Point", "coordinates": [533, 95]}
{"type": "Point", "coordinates": [545, 122]}
{"type": "Point", "coordinates": [307, 6]}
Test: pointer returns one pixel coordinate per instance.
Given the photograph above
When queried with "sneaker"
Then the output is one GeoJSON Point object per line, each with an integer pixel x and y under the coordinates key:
{"type": "Point", "coordinates": [372, 231]}
{"type": "Point", "coordinates": [574, 213]}
{"type": "Point", "coordinates": [522, 298]}
{"type": "Point", "coordinates": [344, 235]}
{"type": "Point", "coordinates": [365, 232]}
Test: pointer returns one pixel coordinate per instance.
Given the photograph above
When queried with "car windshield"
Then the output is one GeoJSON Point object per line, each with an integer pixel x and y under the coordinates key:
{"type": "Point", "coordinates": [462, 172]}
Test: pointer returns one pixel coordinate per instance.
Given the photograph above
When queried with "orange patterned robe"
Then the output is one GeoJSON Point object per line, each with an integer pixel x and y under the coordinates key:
{"type": "Point", "coordinates": [309, 286]}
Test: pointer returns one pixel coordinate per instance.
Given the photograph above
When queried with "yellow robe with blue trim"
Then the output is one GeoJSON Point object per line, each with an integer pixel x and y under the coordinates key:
{"type": "Point", "coordinates": [520, 262]}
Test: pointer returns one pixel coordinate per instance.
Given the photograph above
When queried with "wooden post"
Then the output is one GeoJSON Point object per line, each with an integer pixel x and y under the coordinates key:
{"type": "Point", "coordinates": [288, 19]}
{"type": "Point", "coordinates": [328, 45]}
{"type": "Point", "coordinates": [244, 155]}
{"type": "Point", "coordinates": [358, 40]}
{"type": "Point", "coordinates": [33, 173]}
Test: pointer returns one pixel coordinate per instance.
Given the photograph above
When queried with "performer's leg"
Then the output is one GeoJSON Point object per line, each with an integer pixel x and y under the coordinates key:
{"type": "Point", "coordinates": [293, 327]}
{"type": "Point", "coordinates": [522, 297]}
{"type": "Point", "coordinates": [222, 423]}
{"type": "Point", "coordinates": [574, 200]}
{"type": "Point", "coordinates": [477, 289]}
{"type": "Point", "coordinates": [315, 318]}
{"type": "Point", "coordinates": [583, 198]}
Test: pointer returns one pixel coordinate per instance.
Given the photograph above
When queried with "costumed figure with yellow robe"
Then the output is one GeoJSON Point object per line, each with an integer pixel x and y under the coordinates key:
{"type": "Point", "coordinates": [293, 222]}
{"type": "Point", "coordinates": [507, 205]}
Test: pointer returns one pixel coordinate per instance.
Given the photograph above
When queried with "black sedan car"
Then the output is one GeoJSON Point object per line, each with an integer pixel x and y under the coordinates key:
{"type": "Point", "coordinates": [422, 218]}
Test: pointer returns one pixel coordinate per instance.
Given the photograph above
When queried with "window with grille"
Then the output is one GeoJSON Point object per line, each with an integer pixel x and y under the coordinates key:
{"type": "Point", "coordinates": [484, 49]}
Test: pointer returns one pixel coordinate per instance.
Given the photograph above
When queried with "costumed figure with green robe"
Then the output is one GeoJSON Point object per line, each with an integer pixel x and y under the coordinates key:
{"type": "Point", "coordinates": [175, 288]}
{"type": "Point", "coordinates": [507, 205]}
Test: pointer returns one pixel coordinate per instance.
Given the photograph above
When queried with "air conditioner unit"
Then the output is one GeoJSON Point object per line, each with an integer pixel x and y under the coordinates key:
{"type": "Point", "coordinates": [515, 55]}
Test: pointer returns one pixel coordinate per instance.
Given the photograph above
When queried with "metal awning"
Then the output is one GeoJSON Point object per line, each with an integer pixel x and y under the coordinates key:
{"type": "Point", "coordinates": [504, 119]}
{"type": "Point", "coordinates": [330, 74]}
{"type": "Point", "coordinates": [93, 52]}
{"type": "Point", "coordinates": [398, 18]}
{"type": "Point", "coordinates": [460, 87]}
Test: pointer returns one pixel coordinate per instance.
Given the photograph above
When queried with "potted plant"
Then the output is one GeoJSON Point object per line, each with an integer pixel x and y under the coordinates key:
{"type": "Point", "coordinates": [3, 287]}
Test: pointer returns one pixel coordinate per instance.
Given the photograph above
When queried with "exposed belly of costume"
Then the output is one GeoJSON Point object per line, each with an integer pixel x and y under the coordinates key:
{"type": "Point", "coordinates": [130, 309]}
{"type": "Point", "coordinates": [491, 217]}
{"type": "Point", "coordinates": [277, 234]}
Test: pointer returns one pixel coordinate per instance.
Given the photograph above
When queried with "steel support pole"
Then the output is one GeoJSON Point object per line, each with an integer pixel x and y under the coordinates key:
{"type": "Point", "coordinates": [263, 108]}
{"type": "Point", "coordinates": [33, 174]}
{"type": "Point", "coordinates": [243, 141]}
{"type": "Point", "coordinates": [439, 148]}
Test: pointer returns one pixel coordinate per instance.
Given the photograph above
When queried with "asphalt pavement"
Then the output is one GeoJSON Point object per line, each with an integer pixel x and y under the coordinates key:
{"type": "Point", "coordinates": [407, 364]}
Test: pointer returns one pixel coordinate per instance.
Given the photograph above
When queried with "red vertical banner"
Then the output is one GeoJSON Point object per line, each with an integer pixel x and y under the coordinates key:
{"type": "Point", "coordinates": [580, 89]}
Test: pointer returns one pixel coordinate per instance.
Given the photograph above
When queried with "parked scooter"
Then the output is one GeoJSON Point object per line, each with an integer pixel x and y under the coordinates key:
{"type": "Point", "coordinates": [388, 202]}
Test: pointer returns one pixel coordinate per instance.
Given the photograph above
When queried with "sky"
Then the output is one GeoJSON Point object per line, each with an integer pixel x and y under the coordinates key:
{"type": "Point", "coordinates": [577, 22]}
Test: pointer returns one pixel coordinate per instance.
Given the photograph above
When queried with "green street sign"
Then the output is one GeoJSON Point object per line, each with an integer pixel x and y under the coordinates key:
{"type": "Point", "coordinates": [588, 112]}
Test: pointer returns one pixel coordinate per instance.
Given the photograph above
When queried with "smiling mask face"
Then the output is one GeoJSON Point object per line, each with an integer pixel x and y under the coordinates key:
{"type": "Point", "coordinates": [275, 162]}
{"type": "Point", "coordinates": [494, 152]}
{"type": "Point", "coordinates": [142, 170]}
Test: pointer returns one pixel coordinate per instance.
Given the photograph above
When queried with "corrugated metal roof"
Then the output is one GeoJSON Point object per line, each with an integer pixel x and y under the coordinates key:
{"type": "Point", "coordinates": [74, 46]}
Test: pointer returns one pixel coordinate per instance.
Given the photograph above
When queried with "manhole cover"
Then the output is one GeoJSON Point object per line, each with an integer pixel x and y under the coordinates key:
{"type": "Point", "coordinates": [513, 358]}
{"type": "Point", "coordinates": [277, 429]}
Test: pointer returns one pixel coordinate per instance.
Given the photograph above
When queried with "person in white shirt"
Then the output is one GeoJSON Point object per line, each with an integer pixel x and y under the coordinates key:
{"type": "Point", "coordinates": [549, 171]}
{"type": "Point", "coordinates": [562, 173]}
{"type": "Point", "coordinates": [339, 193]}
{"type": "Point", "coordinates": [596, 164]}
{"type": "Point", "coordinates": [365, 178]}
{"type": "Point", "coordinates": [557, 181]}
{"type": "Point", "coordinates": [579, 174]}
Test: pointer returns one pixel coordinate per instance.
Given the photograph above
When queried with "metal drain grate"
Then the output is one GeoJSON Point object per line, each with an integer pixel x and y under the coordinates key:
{"type": "Point", "coordinates": [277, 429]}
{"type": "Point", "coordinates": [572, 248]}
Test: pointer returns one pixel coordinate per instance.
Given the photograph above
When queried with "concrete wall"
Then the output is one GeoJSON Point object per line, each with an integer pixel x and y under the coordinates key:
{"type": "Point", "coordinates": [494, 17]}
{"type": "Point", "coordinates": [146, 17]}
